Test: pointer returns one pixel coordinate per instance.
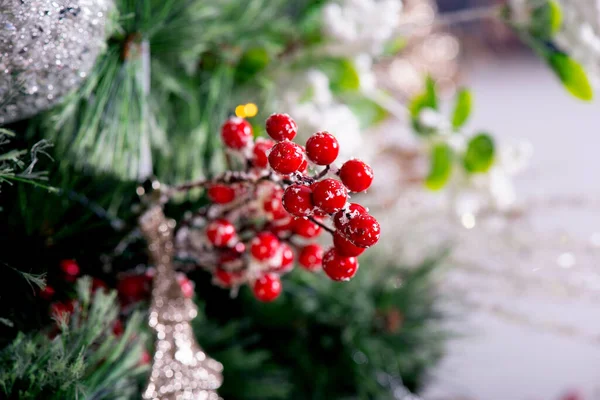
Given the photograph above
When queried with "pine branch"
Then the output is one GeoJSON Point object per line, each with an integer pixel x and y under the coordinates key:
{"type": "Point", "coordinates": [85, 360]}
{"type": "Point", "coordinates": [107, 124]}
{"type": "Point", "coordinates": [13, 168]}
{"type": "Point", "coordinates": [384, 323]}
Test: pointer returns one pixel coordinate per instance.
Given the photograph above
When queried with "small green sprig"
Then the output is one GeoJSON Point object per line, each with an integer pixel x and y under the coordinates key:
{"type": "Point", "coordinates": [538, 32]}
{"type": "Point", "coordinates": [478, 154]}
{"type": "Point", "coordinates": [14, 168]}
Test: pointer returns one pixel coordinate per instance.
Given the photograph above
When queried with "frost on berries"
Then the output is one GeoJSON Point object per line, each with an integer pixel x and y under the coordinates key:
{"type": "Point", "coordinates": [268, 215]}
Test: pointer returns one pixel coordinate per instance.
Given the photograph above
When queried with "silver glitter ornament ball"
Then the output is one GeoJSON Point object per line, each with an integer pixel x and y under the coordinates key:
{"type": "Point", "coordinates": [47, 47]}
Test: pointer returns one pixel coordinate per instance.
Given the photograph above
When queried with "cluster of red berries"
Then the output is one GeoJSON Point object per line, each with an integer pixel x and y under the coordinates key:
{"type": "Point", "coordinates": [271, 213]}
{"type": "Point", "coordinates": [131, 288]}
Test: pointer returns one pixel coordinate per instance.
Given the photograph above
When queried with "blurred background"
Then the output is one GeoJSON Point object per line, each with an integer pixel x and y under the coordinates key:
{"type": "Point", "coordinates": [533, 331]}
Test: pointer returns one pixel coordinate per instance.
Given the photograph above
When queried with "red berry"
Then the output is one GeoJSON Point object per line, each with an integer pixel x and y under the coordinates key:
{"type": "Point", "coordinates": [47, 292]}
{"type": "Point", "coordinates": [264, 246]}
{"type": "Point", "coordinates": [306, 228]}
{"type": "Point", "coordinates": [363, 230]}
{"type": "Point", "coordinates": [356, 175]}
{"type": "Point", "coordinates": [286, 157]}
{"type": "Point", "coordinates": [70, 268]}
{"type": "Point", "coordinates": [117, 328]}
{"type": "Point", "coordinates": [221, 194]}
{"type": "Point", "coordinates": [232, 256]}
{"type": "Point", "coordinates": [227, 278]}
{"type": "Point", "coordinates": [98, 284]}
{"type": "Point", "coordinates": [287, 258]}
{"type": "Point", "coordinates": [297, 200]}
{"type": "Point", "coordinates": [62, 310]}
{"type": "Point", "coordinates": [261, 147]}
{"type": "Point", "coordinates": [341, 218]}
{"type": "Point", "coordinates": [267, 288]}
{"type": "Point", "coordinates": [273, 204]}
{"type": "Point", "coordinates": [329, 195]}
{"type": "Point", "coordinates": [187, 286]}
{"type": "Point", "coordinates": [236, 133]}
{"type": "Point", "coordinates": [322, 148]}
{"type": "Point", "coordinates": [338, 267]}
{"type": "Point", "coordinates": [282, 226]}
{"type": "Point", "coordinates": [220, 232]}
{"type": "Point", "coordinates": [281, 127]}
{"type": "Point", "coordinates": [145, 358]}
{"type": "Point", "coordinates": [310, 257]}
{"type": "Point", "coordinates": [134, 287]}
{"type": "Point", "coordinates": [303, 167]}
{"type": "Point", "coordinates": [344, 247]}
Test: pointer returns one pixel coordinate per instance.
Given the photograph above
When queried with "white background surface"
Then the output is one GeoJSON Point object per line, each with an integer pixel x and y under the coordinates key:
{"type": "Point", "coordinates": [505, 360]}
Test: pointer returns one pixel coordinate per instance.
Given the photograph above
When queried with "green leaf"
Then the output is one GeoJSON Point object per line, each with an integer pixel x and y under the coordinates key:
{"type": "Point", "coordinates": [462, 109]}
{"type": "Point", "coordinates": [572, 75]}
{"type": "Point", "coordinates": [342, 74]}
{"type": "Point", "coordinates": [546, 20]}
{"type": "Point", "coordinates": [368, 112]}
{"type": "Point", "coordinates": [479, 156]}
{"type": "Point", "coordinates": [427, 99]}
{"type": "Point", "coordinates": [440, 167]}
{"type": "Point", "coordinates": [394, 46]}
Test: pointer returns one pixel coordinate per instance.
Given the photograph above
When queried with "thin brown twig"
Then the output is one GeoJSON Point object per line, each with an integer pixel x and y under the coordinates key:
{"type": "Point", "coordinates": [322, 225]}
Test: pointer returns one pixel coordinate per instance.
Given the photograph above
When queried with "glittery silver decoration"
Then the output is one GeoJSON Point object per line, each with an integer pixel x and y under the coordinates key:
{"type": "Point", "coordinates": [47, 47]}
{"type": "Point", "coordinates": [180, 370]}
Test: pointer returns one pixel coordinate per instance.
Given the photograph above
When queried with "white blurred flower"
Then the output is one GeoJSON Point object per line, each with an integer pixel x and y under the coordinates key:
{"type": "Point", "coordinates": [320, 111]}
{"type": "Point", "coordinates": [430, 118]}
{"type": "Point", "coordinates": [364, 66]}
{"type": "Point", "coordinates": [494, 190]}
{"type": "Point", "coordinates": [362, 24]}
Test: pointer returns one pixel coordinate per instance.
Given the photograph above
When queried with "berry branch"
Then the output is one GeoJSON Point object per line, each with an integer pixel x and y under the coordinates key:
{"type": "Point", "coordinates": [264, 217]}
{"type": "Point", "coordinates": [322, 225]}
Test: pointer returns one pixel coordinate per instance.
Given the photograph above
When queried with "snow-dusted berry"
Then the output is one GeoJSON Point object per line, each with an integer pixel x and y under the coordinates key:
{"type": "Point", "coordinates": [227, 278]}
{"type": "Point", "coordinates": [297, 200]}
{"type": "Point", "coordinates": [287, 258]}
{"type": "Point", "coordinates": [236, 133]}
{"type": "Point", "coordinates": [220, 232]}
{"type": "Point", "coordinates": [282, 227]}
{"type": "Point", "coordinates": [311, 257]}
{"type": "Point", "coordinates": [345, 247]}
{"type": "Point", "coordinates": [267, 288]}
{"type": "Point", "coordinates": [329, 195]}
{"type": "Point", "coordinates": [356, 175]}
{"type": "Point", "coordinates": [341, 218]}
{"type": "Point", "coordinates": [306, 228]}
{"type": "Point", "coordinates": [260, 151]}
{"type": "Point", "coordinates": [273, 203]}
{"type": "Point", "coordinates": [219, 193]}
{"type": "Point", "coordinates": [286, 157]}
{"type": "Point", "coordinates": [362, 231]}
{"type": "Point", "coordinates": [281, 127]}
{"type": "Point", "coordinates": [338, 267]}
{"type": "Point", "coordinates": [264, 246]}
{"type": "Point", "coordinates": [303, 167]}
{"type": "Point", "coordinates": [322, 148]}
